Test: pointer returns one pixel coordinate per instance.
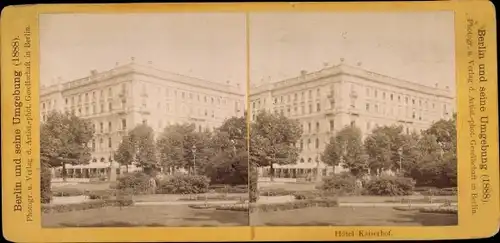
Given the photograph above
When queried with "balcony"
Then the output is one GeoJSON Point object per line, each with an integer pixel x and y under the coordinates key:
{"type": "Point", "coordinates": [144, 95]}
{"type": "Point", "coordinates": [353, 94]}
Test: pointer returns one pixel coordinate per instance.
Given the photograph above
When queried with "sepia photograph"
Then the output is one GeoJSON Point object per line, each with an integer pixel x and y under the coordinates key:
{"type": "Point", "coordinates": [143, 120]}
{"type": "Point", "coordinates": [353, 119]}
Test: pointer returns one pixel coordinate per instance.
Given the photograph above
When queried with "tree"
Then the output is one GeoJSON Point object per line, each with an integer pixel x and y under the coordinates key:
{"type": "Point", "coordinates": [126, 152]}
{"type": "Point", "coordinates": [176, 144]}
{"type": "Point", "coordinates": [440, 168]}
{"type": "Point", "coordinates": [142, 140]}
{"type": "Point", "coordinates": [229, 165]}
{"type": "Point", "coordinates": [272, 140]}
{"type": "Point", "coordinates": [348, 147]}
{"type": "Point", "coordinates": [384, 145]}
{"type": "Point", "coordinates": [64, 139]}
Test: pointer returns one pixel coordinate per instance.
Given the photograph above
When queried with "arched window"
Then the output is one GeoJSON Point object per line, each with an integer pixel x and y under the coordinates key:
{"type": "Point", "coordinates": [301, 160]}
{"type": "Point", "coordinates": [309, 160]}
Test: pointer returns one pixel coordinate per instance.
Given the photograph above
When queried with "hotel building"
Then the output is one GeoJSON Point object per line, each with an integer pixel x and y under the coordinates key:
{"type": "Point", "coordinates": [117, 100]}
{"type": "Point", "coordinates": [327, 100]}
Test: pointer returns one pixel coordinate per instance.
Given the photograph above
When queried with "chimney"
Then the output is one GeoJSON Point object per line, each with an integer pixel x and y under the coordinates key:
{"type": "Point", "coordinates": [342, 59]}
{"type": "Point", "coordinates": [132, 59]}
{"type": "Point", "coordinates": [359, 64]}
{"type": "Point", "coordinates": [303, 73]}
{"type": "Point", "coordinates": [117, 63]}
{"type": "Point", "coordinates": [325, 64]}
{"type": "Point", "coordinates": [93, 72]}
{"type": "Point", "coordinates": [150, 62]}
{"type": "Point", "coordinates": [436, 85]}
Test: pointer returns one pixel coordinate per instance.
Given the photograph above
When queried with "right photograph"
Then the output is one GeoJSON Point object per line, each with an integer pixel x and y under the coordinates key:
{"type": "Point", "coordinates": [352, 119]}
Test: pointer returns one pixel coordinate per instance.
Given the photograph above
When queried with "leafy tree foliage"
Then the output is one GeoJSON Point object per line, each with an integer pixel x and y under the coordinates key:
{"type": "Point", "coordinates": [272, 140]}
{"type": "Point", "coordinates": [348, 147]}
{"type": "Point", "coordinates": [229, 163]}
{"type": "Point", "coordinates": [125, 154]}
{"type": "Point", "coordinates": [385, 143]}
{"type": "Point", "coordinates": [142, 140]}
{"type": "Point", "coordinates": [176, 144]}
{"type": "Point", "coordinates": [64, 140]}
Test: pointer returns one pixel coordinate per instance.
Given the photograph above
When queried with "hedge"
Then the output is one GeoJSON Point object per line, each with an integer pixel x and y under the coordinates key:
{"type": "Point", "coordinates": [441, 210]}
{"type": "Point", "coordinates": [294, 205]}
{"type": "Point", "coordinates": [60, 208]}
{"type": "Point", "coordinates": [67, 192]}
{"type": "Point", "coordinates": [214, 197]}
{"type": "Point", "coordinates": [183, 184]}
{"type": "Point", "coordinates": [45, 184]}
{"type": "Point", "coordinates": [233, 207]}
{"type": "Point", "coordinates": [342, 184]}
{"type": "Point", "coordinates": [135, 183]}
{"type": "Point", "coordinates": [390, 186]}
{"type": "Point", "coordinates": [229, 189]}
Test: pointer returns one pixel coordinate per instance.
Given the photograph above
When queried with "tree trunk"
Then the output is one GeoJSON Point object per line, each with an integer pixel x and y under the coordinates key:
{"type": "Point", "coordinates": [64, 173]}
{"type": "Point", "coordinates": [271, 172]}
{"type": "Point", "coordinates": [126, 168]}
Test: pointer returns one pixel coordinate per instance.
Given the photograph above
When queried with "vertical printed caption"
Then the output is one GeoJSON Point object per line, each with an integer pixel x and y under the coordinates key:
{"type": "Point", "coordinates": [478, 120]}
{"type": "Point", "coordinates": [22, 121]}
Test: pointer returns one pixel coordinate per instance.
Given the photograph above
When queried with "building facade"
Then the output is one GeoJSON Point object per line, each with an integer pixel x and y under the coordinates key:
{"type": "Point", "coordinates": [327, 100]}
{"type": "Point", "coordinates": [117, 100]}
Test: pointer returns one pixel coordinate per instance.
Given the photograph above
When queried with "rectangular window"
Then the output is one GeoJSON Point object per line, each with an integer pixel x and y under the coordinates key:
{"type": "Point", "coordinates": [109, 126]}
{"type": "Point", "coordinates": [332, 125]}
{"type": "Point", "coordinates": [124, 124]}
{"type": "Point", "coordinates": [101, 127]}
{"type": "Point", "coordinates": [318, 107]}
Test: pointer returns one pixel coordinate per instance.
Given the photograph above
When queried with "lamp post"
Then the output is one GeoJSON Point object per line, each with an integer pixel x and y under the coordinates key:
{"type": "Point", "coordinates": [233, 143]}
{"type": "Point", "coordinates": [400, 152]}
{"type": "Point", "coordinates": [193, 149]}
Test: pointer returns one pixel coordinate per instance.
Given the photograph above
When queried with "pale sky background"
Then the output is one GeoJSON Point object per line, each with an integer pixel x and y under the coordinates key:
{"type": "Point", "coordinates": [210, 46]}
{"type": "Point", "coordinates": [417, 47]}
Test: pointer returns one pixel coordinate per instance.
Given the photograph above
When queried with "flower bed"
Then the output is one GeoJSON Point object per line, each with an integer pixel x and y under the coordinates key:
{"type": "Point", "coordinates": [102, 194]}
{"type": "Point", "coordinates": [228, 189]}
{"type": "Point", "coordinates": [424, 200]}
{"type": "Point", "coordinates": [326, 202]}
{"type": "Point", "coordinates": [86, 205]}
{"type": "Point", "coordinates": [221, 197]}
{"type": "Point", "coordinates": [441, 210]}
{"type": "Point", "coordinates": [67, 192]}
{"type": "Point", "coordinates": [233, 207]}
{"type": "Point", "coordinates": [201, 206]}
{"type": "Point", "coordinates": [405, 208]}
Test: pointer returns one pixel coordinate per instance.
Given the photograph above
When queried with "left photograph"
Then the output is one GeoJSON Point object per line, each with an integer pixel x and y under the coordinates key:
{"type": "Point", "coordinates": [142, 120]}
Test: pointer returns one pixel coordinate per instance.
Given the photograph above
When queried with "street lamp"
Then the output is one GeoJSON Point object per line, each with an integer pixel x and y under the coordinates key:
{"type": "Point", "coordinates": [400, 152]}
{"type": "Point", "coordinates": [193, 149]}
{"type": "Point", "coordinates": [234, 147]}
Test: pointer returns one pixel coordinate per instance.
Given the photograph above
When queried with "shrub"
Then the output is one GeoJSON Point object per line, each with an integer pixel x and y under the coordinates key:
{"type": "Point", "coordinates": [405, 208]}
{"type": "Point", "coordinates": [339, 184]}
{"type": "Point", "coordinates": [102, 194]}
{"type": "Point", "coordinates": [390, 186]}
{"type": "Point", "coordinates": [442, 210]}
{"type": "Point", "coordinates": [67, 192]}
{"type": "Point", "coordinates": [135, 183]}
{"type": "Point", "coordinates": [45, 179]}
{"type": "Point", "coordinates": [184, 184]}
{"type": "Point", "coordinates": [233, 207]}
{"type": "Point", "coordinates": [294, 205]}
{"type": "Point", "coordinates": [86, 205]}
{"type": "Point", "coordinates": [306, 195]}
{"type": "Point", "coordinates": [229, 189]}
{"type": "Point", "coordinates": [275, 192]}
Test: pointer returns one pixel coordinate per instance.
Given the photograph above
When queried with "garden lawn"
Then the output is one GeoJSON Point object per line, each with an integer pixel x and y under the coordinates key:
{"type": "Point", "coordinates": [178, 215]}
{"type": "Point", "coordinates": [382, 199]}
{"type": "Point", "coordinates": [380, 216]}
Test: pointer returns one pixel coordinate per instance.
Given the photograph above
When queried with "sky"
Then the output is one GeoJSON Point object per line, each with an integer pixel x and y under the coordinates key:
{"type": "Point", "coordinates": [210, 46]}
{"type": "Point", "coordinates": [417, 47]}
